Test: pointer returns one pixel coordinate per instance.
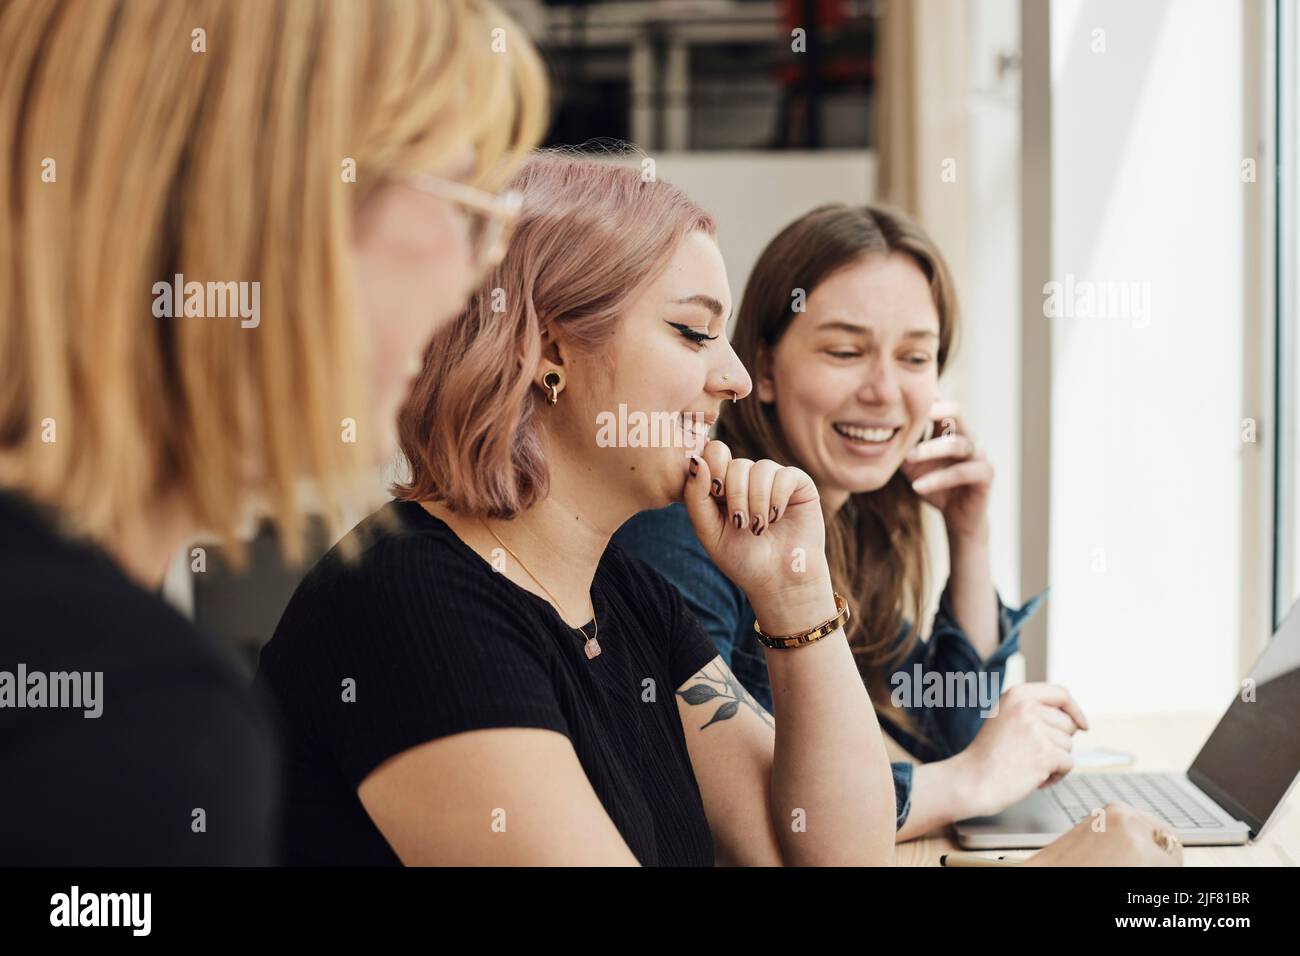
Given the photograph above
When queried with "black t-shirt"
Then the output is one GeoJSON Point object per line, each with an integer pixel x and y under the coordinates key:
{"type": "Point", "coordinates": [438, 643]}
{"type": "Point", "coordinates": [178, 729]}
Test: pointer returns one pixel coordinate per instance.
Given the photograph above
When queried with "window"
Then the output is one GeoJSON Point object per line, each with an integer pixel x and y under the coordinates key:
{"type": "Point", "coordinates": [1286, 542]}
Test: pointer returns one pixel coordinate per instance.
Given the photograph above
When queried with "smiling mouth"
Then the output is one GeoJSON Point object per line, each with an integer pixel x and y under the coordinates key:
{"type": "Point", "coordinates": [866, 436]}
{"type": "Point", "coordinates": [700, 420]}
{"type": "Point", "coordinates": [696, 424]}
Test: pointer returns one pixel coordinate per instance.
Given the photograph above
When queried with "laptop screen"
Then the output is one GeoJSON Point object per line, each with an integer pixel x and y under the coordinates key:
{"type": "Point", "coordinates": [1253, 756]}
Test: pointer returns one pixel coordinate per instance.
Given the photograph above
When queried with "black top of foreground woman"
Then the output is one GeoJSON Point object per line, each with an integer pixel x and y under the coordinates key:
{"type": "Point", "coordinates": [147, 748]}
{"type": "Point", "coordinates": [438, 643]}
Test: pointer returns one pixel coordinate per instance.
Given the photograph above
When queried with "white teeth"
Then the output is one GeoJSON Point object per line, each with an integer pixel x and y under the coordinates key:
{"type": "Point", "coordinates": [865, 434]}
{"type": "Point", "coordinates": [691, 427]}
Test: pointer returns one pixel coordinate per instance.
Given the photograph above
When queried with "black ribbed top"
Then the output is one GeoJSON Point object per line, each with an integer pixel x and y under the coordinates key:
{"type": "Point", "coordinates": [439, 643]}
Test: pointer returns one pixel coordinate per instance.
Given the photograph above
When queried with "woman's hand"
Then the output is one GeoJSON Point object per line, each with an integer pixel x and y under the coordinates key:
{"type": "Point", "coordinates": [952, 474]}
{"type": "Point", "coordinates": [1025, 745]}
{"type": "Point", "coordinates": [1116, 836]}
{"type": "Point", "coordinates": [761, 523]}
{"type": "Point", "coordinates": [762, 526]}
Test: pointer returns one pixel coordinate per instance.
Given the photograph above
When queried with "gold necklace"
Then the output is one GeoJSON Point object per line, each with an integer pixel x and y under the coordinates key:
{"type": "Point", "coordinates": [590, 644]}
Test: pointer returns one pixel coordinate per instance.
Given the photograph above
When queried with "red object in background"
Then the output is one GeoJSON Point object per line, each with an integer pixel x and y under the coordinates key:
{"type": "Point", "coordinates": [832, 16]}
{"type": "Point", "coordinates": [830, 13]}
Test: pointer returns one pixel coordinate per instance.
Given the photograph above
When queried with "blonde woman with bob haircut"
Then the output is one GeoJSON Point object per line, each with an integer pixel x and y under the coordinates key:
{"type": "Point", "coordinates": [526, 693]}
{"type": "Point", "coordinates": [331, 162]}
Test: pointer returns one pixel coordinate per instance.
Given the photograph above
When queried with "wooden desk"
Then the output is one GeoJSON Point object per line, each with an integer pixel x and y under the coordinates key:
{"type": "Point", "coordinates": [1156, 743]}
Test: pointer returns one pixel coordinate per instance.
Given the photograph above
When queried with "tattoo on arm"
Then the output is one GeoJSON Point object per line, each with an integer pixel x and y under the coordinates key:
{"type": "Point", "coordinates": [717, 683]}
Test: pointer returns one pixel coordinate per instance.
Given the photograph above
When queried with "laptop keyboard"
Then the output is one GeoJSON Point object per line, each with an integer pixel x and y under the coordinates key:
{"type": "Point", "coordinates": [1081, 793]}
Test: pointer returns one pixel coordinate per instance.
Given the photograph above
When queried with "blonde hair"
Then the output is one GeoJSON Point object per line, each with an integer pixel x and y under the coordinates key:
{"type": "Point", "coordinates": [211, 140]}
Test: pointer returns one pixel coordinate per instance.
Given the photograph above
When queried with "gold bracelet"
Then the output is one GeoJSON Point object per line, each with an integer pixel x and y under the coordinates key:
{"type": "Point", "coordinates": [810, 635]}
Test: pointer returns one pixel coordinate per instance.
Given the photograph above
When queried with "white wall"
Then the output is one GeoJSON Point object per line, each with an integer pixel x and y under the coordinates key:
{"type": "Point", "coordinates": [1145, 525]}
{"type": "Point", "coordinates": [754, 194]}
{"type": "Point", "coordinates": [987, 369]}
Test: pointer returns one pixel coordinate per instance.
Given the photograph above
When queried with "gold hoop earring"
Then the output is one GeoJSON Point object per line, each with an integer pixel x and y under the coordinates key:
{"type": "Point", "coordinates": [553, 381]}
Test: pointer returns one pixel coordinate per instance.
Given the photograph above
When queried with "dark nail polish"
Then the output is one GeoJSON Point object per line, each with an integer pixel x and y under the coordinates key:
{"type": "Point", "coordinates": [695, 466]}
{"type": "Point", "coordinates": [773, 516]}
{"type": "Point", "coordinates": [739, 519]}
{"type": "Point", "coordinates": [754, 525]}
{"type": "Point", "coordinates": [717, 487]}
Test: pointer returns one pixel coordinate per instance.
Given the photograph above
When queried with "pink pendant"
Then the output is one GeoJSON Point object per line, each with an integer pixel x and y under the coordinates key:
{"type": "Point", "coordinates": [592, 649]}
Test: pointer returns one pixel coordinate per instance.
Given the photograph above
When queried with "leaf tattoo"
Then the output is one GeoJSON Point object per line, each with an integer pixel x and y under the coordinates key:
{"type": "Point", "coordinates": [698, 694]}
{"type": "Point", "coordinates": [724, 712]}
{"type": "Point", "coordinates": [728, 689]}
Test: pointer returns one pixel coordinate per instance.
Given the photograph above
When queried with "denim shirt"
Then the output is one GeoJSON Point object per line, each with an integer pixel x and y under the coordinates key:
{"type": "Point", "coordinates": [665, 540]}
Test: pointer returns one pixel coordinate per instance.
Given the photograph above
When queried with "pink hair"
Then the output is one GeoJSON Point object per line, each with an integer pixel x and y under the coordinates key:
{"type": "Point", "coordinates": [591, 236]}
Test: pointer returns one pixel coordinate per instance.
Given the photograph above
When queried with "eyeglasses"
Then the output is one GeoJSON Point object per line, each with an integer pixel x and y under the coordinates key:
{"type": "Point", "coordinates": [490, 217]}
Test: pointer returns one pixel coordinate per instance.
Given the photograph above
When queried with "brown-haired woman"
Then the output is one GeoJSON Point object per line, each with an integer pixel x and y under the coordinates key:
{"type": "Point", "coordinates": [848, 318]}
{"type": "Point", "coordinates": [286, 151]}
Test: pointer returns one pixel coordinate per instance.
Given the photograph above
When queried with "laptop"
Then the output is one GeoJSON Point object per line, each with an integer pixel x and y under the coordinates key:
{"type": "Point", "coordinates": [1236, 784]}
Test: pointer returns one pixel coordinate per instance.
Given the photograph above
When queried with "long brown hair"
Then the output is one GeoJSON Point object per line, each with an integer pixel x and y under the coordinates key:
{"type": "Point", "coordinates": [875, 543]}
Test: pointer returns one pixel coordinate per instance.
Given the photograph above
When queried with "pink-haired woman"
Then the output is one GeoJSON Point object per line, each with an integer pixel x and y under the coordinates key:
{"type": "Point", "coordinates": [493, 682]}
